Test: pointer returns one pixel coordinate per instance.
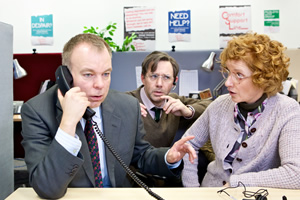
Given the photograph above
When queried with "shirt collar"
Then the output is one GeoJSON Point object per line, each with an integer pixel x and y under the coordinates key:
{"type": "Point", "coordinates": [146, 101]}
{"type": "Point", "coordinates": [96, 117]}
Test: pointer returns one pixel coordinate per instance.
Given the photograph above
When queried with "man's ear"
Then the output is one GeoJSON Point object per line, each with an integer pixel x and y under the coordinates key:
{"type": "Point", "coordinates": [143, 79]}
{"type": "Point", "coordinates": [175, 81]}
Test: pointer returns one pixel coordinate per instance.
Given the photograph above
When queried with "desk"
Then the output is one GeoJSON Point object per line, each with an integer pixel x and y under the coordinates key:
{"type": "Point", "coordinates": [166, 193]}
{"type": "Point", "coordinates": [18, 149]}
{"type": "Point", "coordinates": [17, 118]}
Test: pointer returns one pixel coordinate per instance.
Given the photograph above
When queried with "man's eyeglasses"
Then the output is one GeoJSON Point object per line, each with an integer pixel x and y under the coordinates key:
{"type": "Point", "coordinates": [165, 78]}
{"type": "Point", "coordinates": [236, 77]}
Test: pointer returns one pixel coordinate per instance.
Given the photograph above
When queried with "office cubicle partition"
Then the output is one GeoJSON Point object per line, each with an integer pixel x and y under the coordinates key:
{"type": "Point", "coordinates": [6, 111]}
{"type": "Point", "coordinates": [40, 67]}
{"type": "Point", "coordinates": [124, 68]}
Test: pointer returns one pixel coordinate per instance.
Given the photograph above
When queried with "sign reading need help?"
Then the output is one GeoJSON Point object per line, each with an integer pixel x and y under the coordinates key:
{"type": "Point", "coordinates": [179, 26]}
{"type": "Point", "coordinates": [42, 30]}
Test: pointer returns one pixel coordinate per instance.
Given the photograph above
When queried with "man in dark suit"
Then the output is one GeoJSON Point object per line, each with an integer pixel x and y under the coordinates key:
{"type": "Point", "coordinates": [56, 150]}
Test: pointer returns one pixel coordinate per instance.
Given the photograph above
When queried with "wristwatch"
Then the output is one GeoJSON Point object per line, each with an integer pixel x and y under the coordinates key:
{"type": "Point", "coordinates": [193, 111]}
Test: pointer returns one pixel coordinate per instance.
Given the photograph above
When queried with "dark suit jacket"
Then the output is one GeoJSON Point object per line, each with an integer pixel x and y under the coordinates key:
{"type": "Point", "coordinates": [52, 168]}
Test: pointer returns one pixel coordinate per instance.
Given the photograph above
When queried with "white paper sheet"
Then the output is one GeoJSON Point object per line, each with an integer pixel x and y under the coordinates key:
{"type": "Point", "coordinates": [188, 82]}
{"type": "Point", "coordinates": [138, 72]}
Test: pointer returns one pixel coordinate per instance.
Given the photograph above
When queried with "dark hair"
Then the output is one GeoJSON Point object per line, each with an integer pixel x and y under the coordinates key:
{"type": "Point", "coordinates": [152, 61]}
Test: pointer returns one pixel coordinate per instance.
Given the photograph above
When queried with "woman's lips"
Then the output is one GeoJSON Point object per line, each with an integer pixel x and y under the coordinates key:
{"type": "Point", "coordinates": [230, 92]}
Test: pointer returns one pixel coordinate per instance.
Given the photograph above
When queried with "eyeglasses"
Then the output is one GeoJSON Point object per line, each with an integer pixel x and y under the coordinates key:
{"type": "Point", "coordinates": [236, 77]}
{"type": "Point", "coordinates": [165, 78]}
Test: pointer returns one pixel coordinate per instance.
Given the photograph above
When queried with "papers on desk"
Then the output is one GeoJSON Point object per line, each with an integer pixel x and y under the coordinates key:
{"type": "Point", "coordinates": [188, 82]}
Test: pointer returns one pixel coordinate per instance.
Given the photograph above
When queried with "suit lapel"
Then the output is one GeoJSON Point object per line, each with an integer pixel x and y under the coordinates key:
{"type": "Point", "coordinates": [111, 126]}
{"type": "Point", "coordinates": [87, 165]}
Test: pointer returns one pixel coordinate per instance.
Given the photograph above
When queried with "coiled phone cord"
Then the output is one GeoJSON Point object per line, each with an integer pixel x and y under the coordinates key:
{"type": "Point", "coordinates": [129, 172]}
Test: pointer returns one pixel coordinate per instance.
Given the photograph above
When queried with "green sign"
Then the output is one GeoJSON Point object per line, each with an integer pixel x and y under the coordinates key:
{"type": "Point", "coordinates": [271, 14]}
{"type": "Point", "coordinates": [271, 23]}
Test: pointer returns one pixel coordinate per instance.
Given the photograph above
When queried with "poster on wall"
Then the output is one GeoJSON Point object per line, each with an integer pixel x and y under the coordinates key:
{"type": "Point", "coordinates": [234, 20]}
{"type": "Point", "coordinates": [271, 21]}
{"type": "Point", "coordinates": [141, 21]}
{"type": "Point", "coordinates": [42, 30]}
{"type": "Point", "coordinates": [180, 26]}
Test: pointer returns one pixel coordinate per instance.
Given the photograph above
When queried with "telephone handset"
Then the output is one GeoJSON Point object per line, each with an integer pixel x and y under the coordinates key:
{"type": "Point", "coordinates": [64, 80]}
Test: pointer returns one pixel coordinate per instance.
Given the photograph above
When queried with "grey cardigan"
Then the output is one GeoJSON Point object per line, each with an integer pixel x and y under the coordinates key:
{"type": "Point", "coordinates": [269, 158]}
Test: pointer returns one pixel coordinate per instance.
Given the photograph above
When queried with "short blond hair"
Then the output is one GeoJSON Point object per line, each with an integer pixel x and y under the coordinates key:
{"type": "Point", "coordinates": [88, 38]}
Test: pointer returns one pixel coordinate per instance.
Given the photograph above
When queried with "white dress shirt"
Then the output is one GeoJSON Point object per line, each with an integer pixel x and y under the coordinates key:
{"type": "Point", "coordinates": [73, 144]}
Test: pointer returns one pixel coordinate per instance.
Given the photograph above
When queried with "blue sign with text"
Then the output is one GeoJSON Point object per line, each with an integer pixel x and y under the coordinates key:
{"type": "Point", "coordinates": [42, 25]}
{"type": "Point", "coordinates": [180, 22]}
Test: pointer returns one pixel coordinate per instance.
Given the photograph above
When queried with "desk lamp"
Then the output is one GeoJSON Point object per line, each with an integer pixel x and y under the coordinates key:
{"type": "Point", "coordinates": [19, 72]}
{"type": "Point", "coordinates": [208, 65]}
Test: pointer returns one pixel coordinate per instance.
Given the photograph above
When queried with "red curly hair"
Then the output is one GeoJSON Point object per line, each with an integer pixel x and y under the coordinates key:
{"type": "Point", "coordinates": [264, 57]}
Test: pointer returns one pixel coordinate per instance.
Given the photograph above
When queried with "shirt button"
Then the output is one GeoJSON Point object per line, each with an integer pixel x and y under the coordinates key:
{"type": "Point", "coordinates": [253, 130]}
{"type": "Point", "coordinates": [244, 144]}
{"type": "Point", "coordinates": [224, 182]}
{"type": "Point", "coordinates": [239, 159]}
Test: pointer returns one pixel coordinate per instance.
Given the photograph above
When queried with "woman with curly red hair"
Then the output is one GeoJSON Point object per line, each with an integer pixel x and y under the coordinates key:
{"type": "Point", "coordinates": [254, 130]}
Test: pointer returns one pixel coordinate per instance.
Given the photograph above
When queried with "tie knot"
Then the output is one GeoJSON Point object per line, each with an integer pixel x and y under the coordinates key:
{"type": "Point", "coordinates": [88, 129]}
{"type": "Point", "coordinates": [157, 113]}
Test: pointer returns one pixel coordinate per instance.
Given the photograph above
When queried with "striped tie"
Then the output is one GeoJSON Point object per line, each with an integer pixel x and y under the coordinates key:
{"type": "Point", "coordinates": [94, 151]}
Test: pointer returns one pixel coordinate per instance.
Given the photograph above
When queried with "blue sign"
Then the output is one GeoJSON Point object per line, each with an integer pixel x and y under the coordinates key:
{"type": "Point", "coordinates": [180, 22]}
{"type": "Point", "coordinates": [42, 25]}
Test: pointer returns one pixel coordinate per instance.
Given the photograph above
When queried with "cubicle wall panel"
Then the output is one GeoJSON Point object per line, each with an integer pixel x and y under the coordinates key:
{"type": "Point", "coordinates": [39, 67]}
{"type": "Point", "coordinates": [124, 68]}
{"type": "Point", "coordinates": [6, 110]}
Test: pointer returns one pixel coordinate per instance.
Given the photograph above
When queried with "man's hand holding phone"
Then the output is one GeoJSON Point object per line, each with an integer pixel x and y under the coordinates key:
{"type": "Point", "coordinates": [73, 104]}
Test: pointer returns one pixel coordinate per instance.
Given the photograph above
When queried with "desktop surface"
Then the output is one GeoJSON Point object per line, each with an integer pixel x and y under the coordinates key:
{"type": "Point", "coordinates": [201, 193]}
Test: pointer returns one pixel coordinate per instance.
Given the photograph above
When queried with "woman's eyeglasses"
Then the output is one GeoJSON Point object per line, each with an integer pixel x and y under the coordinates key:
{"type": "Point", "coordinates": [236, 77]}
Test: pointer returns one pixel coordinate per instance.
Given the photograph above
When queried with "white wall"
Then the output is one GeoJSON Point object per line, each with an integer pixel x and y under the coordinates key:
{"type": "Point", "coordinates": [69, 17]}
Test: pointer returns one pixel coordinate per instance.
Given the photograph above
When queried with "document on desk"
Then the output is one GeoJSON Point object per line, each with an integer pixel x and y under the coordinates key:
{"type": "Point", "coordinates": [188, 82]}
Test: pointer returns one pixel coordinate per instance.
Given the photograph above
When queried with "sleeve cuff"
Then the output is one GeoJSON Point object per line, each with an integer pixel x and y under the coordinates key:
{"type": "Point", "coordinates": [193, 112]}
{"type": "Point", "coordinates": [71, 144]}
{"type": "Point", "coordinates": [174, 165]}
